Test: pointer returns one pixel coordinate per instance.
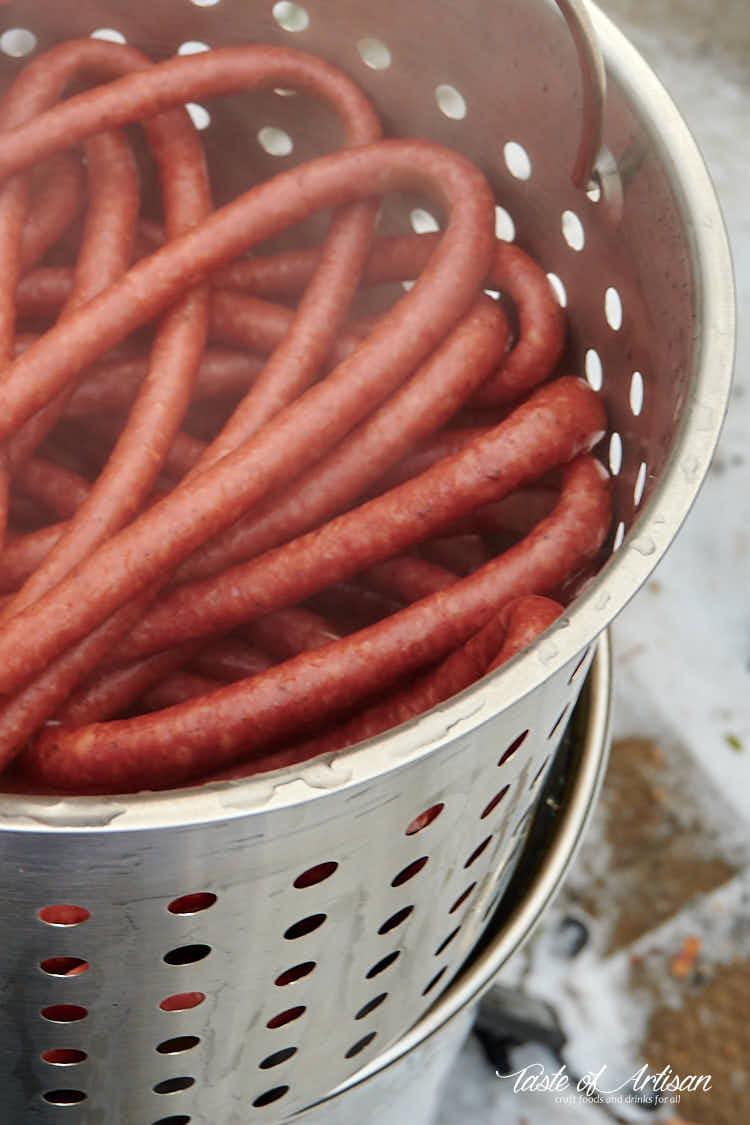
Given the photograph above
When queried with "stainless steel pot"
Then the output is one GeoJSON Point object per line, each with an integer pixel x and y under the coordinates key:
{"type": "Point", "coordinates": [284, 930]}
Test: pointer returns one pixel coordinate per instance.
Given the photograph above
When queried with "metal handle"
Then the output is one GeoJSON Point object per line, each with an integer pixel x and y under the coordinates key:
{"type": "Point", "coordinates": [594, 89]}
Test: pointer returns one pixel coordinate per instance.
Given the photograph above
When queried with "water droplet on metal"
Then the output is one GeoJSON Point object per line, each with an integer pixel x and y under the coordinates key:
{"type": "Point", "coordinates": [547, 651]}
{"type": "Point", "coordinates": [327, 775]}
{"type": "Point", "coordinates": [245, 798]}
{"type": "Point", "coordinates": [75, 813]}
{"type": "Point", "coordinates": [644, 545]}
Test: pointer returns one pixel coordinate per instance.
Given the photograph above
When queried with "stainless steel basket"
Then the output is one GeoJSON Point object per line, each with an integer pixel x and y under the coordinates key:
{"type": "Point", "coordinates": [301, 922]}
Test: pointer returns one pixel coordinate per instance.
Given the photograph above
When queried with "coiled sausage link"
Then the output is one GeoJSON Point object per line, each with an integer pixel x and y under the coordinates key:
{"type": "Point", "coordinates": [185, 742]}
{"type": "Point", "coordinates": [143, 553]}
{"type": "Point", "coordinates": [515, 627]}
{"type": "Point", "coordinates": [550, 428]}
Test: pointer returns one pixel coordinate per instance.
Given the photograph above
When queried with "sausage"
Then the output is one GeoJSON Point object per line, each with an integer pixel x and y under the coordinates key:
{"type": "Point", "coordinates": [329, 419]}
{"type": "Point", "coordinates": [59, 490]}
{"type": "Point", "coordinates": [430, 397]}
{"type": "Point", "coordinates": [203, 506]}
{"type": "Point", "coordinates": [550, 428]}
{"type": "Point", "coordinates": [52, 208]}
{"type": "Point", "coordinates": [541, 333]}
{"type": "Point", "coordinates": [513, 628]}
{"type": "Point", "coordinates": [181, 743]}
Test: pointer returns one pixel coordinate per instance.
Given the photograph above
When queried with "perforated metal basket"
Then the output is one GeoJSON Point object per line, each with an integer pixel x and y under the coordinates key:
{"type": "Point", "coordinates": [249, 945]}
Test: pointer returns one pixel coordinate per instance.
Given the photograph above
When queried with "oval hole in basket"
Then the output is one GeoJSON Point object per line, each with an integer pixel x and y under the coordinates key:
{"type": "Point", "coordinates": [395, 919]}
{"type": "Point", "coordinates": [275, 141]}
{"type": "Point", "coordinates": [516, 744]}
{"type": "Point", "coordinates": [177, 1045]}
{"type": "Point", "coordinates": [17, 42]}
{"type": "Point", "coordinates": [192, 47]}
{"type": "Point", "coordinates": [182, 1001]}
{"type": "Point", "coordinates": [494, 802]}
{"type": "Point", "coordinates": [477, 852]}
{"type": "Point", "coordinates": [505, 228]}
{"type": "Point", "coordinates": [561, 293]}
{"type": "Point", "coordinates": [64, 966]}
{"type": "Point", "coordinates": [615, 454]}
{"type": "Point", "coordinates": [451, 101]}
{"type": "Point", "coordinates": [594, 371]}
{"type": "Point", "coordinates": [64, 915]}
{"type": "Point", "coordinates": [316, 874]}
{"type": "Point", "coordinates": [446, 941]}
{"type": "Point", "coordinates": [64, 1056]}
{"type": "Point", "coordinates": [109, 35]}
{"type": "Point", "coordinates": [277, 1058]}
{"type": "Point", "coordinates": [289, 976]}
{"type": "Point", "coordinates": [64, 1097]}
{"type": "Point", "coordinates": [517, 160]}
{"type": "Point", "coordinates": [462, 898]}
{"type": "Point", "coordinates": [285, 1017]}
{"type": "Point", "coordinates": [371, 1005]}
{"type": "Point", "coordinates": [292, 17]}
{"type": "Point", "coordinates": [613, 309]}
{"type": "Point", "coordinates": [305, 926]}
{"type": "Point", "coordinates": [192, 904]}
{"type": "Point", "coordinates": [409, 871]}
{"type": "Point", "coordinates": [636, 393]}
{"type": "Point", "coordinates": [187, 954]}
{"type": "Point", "coordinates": [572, 230]}
{"type": "Point", "coordinates": [175, 1119]}
{"type": "Point", "coordinates": [559, 719]}
{"type": "Point", "coordinates": [438, 976]}
{"type": "Point", "coordinates": [640, 483]}
{"type": "Point", "coordinates": [270, 1096]}
{"type": "Point", "coordinates": [374, 53]}
{"type": "Point", "coordinates": [199, 115]}
{"type": "Point", "coordinates": [539, 772]}
{"type": "Point", "coordinates": [174, 1085]}
{"type": "Point", "coordinates": [578, 666]}
{"type": "Point", "coordinates": [204, 3]}
{"type": "Point", "coordinates": [383, 964]}
{"type": "Point", "coordinates": [64, 1013]}
{"type": "Point", "coordinates": [424, 819]}
{"type": "Point", "coordinates": [360, 1045]}
{"type": "Point", "coordinates": [423, 222]}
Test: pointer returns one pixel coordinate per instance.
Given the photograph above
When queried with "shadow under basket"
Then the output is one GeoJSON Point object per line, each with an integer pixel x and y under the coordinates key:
{"type": "Point", "coordinates": [234, 952]}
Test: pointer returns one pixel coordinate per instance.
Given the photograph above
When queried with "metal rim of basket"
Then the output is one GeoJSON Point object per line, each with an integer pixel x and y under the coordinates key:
{"type": "Point", "coordinates": [622, 575]}
{"type": "Point", "coordinates": [548, 867]}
